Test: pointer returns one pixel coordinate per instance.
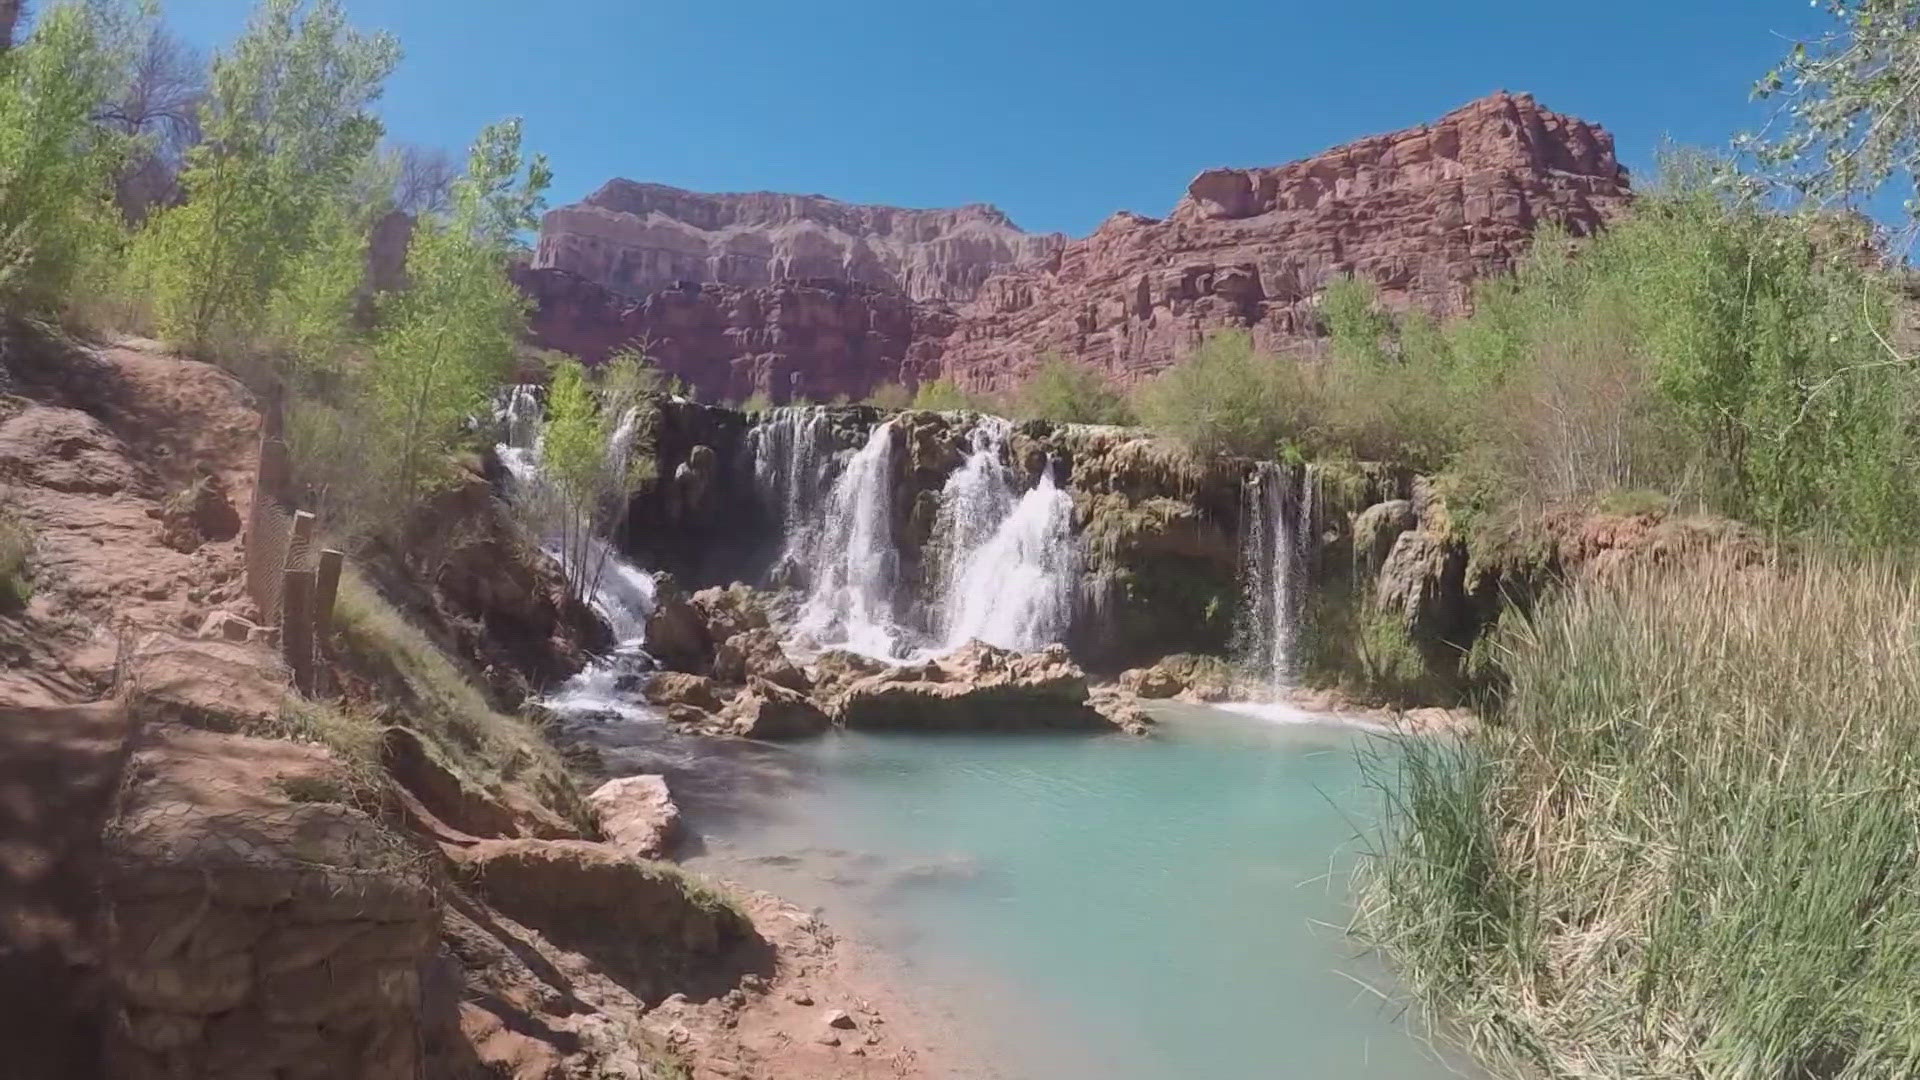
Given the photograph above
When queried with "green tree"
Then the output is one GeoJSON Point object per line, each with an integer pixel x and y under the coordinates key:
{"type": "Point", "coordinates": [592, 460]}
{"type": "Point", "coordinates": [288, 126]}
{"type": "Point", "coordinates": [1849, 105]}
{"type": "Point", "coordinates": [1069, 392]}
{"type": "Point", "coordinates": [56, 164]}
{"type": "Point", "coordinates": [447, 340]}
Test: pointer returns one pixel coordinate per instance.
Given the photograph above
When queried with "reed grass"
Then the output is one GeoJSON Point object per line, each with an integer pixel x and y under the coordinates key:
{"type": "Point", "coordinates": [1689, 847]}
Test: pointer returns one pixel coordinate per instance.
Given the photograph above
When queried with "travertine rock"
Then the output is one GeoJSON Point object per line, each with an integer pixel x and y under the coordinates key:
{"type": "Point", "coordinates": [637, 238]}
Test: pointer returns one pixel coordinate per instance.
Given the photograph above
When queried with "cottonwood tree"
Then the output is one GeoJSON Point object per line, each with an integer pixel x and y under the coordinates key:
{"type": "Point", "coordinates": [446, 340]}
{"type": "Point", "coordinates": [591, 459]}
{"type": "Point", "coordinates": [1849, 105]}
{"type": "Point", "coordinates": [288, 122]}
{"type": "Point", "coordinates": [158, 107]}
{"type": "Point", "coordinates": [55, 162]}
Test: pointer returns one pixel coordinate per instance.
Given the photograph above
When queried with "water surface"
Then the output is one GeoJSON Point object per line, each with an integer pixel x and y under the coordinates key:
{"type": "Point", "coordinates": [1086, 907]}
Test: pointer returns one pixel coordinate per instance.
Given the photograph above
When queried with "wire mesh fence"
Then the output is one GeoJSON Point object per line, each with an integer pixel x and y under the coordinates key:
{"type": "Point", "coordinates": [289, 577]}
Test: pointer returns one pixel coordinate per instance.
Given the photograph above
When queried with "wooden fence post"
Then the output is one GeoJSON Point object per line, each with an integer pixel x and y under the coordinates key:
{"type": "Point", "coordinates": [326, 585]}
{"type": "Point", "coordinates": [296, 626]}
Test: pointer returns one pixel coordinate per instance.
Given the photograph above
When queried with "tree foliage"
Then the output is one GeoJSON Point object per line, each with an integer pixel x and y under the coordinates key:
{"type": "Point", "coordinates": [448, 339]}
{"type": "Point", "coordinates": [56, 164]}
{"type": "Point", "coordinates": [1069, 392]}
{"type": "Point", "coordinates": [288, 123]}
{"type": "Point", "coordinates": [1849, 105]}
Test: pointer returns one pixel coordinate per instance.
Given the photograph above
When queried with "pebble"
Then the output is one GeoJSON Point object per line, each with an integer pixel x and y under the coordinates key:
{"type": "Point", "coordinates": [800, 997]}
{"type": "Point", "coordinates": [839, 1019]}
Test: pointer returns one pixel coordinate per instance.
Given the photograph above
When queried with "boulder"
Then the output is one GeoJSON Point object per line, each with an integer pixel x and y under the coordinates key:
{"type": "Point", "coordinates": [1187, 676]}
{"type": "Point", "coordinates": [1122, 709]}
{"type": "Point", "coordinates": [1378, 527]}
{"type": "Point", "coordinates": [637, 815]}
{"type": "Point", "coordinates": [670, 688]}
{"type": "Point", "coordinates": [677, 631]}
{"type": "Point", "coordinates": [726, 612]}
{"type": "Point", "coordinates": [757, 653]}
{"type": "Point", "coordinates": [978, 687]}
{"type": "Point", "coordinates": [768, 710]}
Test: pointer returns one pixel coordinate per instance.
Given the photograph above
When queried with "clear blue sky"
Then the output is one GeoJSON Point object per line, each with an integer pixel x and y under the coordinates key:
{"type": "Point", "coordinates": [1059, 113]}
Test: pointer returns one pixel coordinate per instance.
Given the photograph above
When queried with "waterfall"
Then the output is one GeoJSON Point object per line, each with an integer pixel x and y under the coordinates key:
{"type": "Point", "coordinates": [1276, 537]}
{"type": "Point", "coordinates": [974, 502]}
{"type": "Point", "coordinates": [622, 597]}
{"type": "Point", "coordinates": [1016, 589]}
{"type": "Point", "coordinates": [854, 563]}
{"type": "Point", "coordinates": [792, 446]}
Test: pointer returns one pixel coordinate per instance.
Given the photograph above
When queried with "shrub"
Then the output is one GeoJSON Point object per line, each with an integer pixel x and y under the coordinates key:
{"type": "Point", "coordinates": [944, 395]}
{"type": "Point", "coordinates": [1072, 393]}
{"type": "Point", "coordinates": [1689, 846]}
{"type": "Point", "coordinates": [1226, 397]}
{"type": "Point", "coordinates": [16, 554]}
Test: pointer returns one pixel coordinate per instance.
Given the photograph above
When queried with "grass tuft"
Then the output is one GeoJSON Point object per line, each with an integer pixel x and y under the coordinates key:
{"type": "Point", "coordinates": [1691, 848]}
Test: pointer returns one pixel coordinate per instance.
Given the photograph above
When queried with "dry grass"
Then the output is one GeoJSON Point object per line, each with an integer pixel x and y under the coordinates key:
{"type": "Point", "coordinates": [426, 689]}
{"type": "Point", "coordinates": [1692, 848]}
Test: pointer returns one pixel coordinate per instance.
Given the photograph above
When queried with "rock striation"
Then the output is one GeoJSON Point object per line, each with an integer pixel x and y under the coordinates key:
{"type": "Point", "coordinates": [637, 238]}
{"type": "Point", "coordinates": [1422, 213]}
{"type": "Point", "coordinates": [801, 296]}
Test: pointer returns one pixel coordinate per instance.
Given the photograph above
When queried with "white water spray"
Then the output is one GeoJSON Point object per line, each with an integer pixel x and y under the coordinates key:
{"type": "Point", "coordinates": [855, 565]}
{"type": "Point", "coordinates": [1016, 589]}
{"type": "Point", "coordinates": [623, 595]}
{"type": "Point", "coordinates": [1276, 535]}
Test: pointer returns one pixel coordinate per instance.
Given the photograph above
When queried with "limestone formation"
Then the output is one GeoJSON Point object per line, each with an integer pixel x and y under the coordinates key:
{"type": "Point", "coordinates": [977, 688]}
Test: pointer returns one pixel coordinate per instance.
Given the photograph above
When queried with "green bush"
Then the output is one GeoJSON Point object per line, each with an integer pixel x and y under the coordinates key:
{"type": "Point", "coordinates": [1070, 393]}
{"type": "Point", "coordinates": [944, 395]}
{"type": "Point", "coordinates": [891, 396]}
{"type": "Point", "coordinates": [1227, 397]}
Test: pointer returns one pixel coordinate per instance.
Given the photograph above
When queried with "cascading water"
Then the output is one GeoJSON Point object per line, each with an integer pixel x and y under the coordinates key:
{"type": "Point", "coordinates": [855, 566]}
{"type": "Point", "coordinates": [1276, 530]}
{"type": "Point", "coordinates": [1016, 589]}
{"type": "Point", "coordinates": [622, 595]}
{"type": "Point", "coordinates": [792, 447]}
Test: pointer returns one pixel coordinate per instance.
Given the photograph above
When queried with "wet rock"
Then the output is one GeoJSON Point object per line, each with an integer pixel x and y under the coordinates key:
{"type": "Point", "coordinates": [671, 688]}
{"type": "Point", "coordinates": [637, 815]}
{"type": "Point", "coordinates": [677, 631]}
{"type": "Point", "coordinates": [757, 653]}
{"type": "Point", "coordinates": [978, 687]}
{"type": "Point", "coordinates": [768, 710]}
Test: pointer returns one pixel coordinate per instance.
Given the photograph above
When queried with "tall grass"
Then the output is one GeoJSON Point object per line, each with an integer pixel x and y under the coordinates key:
{"type": "Point", "coordinates": [1691, 847]}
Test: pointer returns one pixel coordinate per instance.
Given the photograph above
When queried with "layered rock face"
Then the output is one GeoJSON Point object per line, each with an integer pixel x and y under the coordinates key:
{"type": "Point", "coordinates": [800, 296]}
{"type": "Point", "coordinates": [814, 338]}
{"type": "Point", "coordinates": [637, 238]}
{"type": "Point", "coordinates": [1422, 213]}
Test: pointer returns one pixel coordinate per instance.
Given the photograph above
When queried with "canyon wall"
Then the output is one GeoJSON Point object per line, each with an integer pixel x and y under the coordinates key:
{"type": "Point", "coordinates": [635, 238]}
{"type": "Point", "coordinates": [799, 296]}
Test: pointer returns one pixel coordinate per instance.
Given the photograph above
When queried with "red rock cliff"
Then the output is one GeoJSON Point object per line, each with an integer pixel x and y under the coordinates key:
{"type": "Point", "coordinates": [636, 238]}
{"type": "Point", "coordinates": [1422, 212]}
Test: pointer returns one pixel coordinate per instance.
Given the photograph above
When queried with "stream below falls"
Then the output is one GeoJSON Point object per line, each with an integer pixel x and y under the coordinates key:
{"type": "Point", "coordinates": [1079, 907]}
